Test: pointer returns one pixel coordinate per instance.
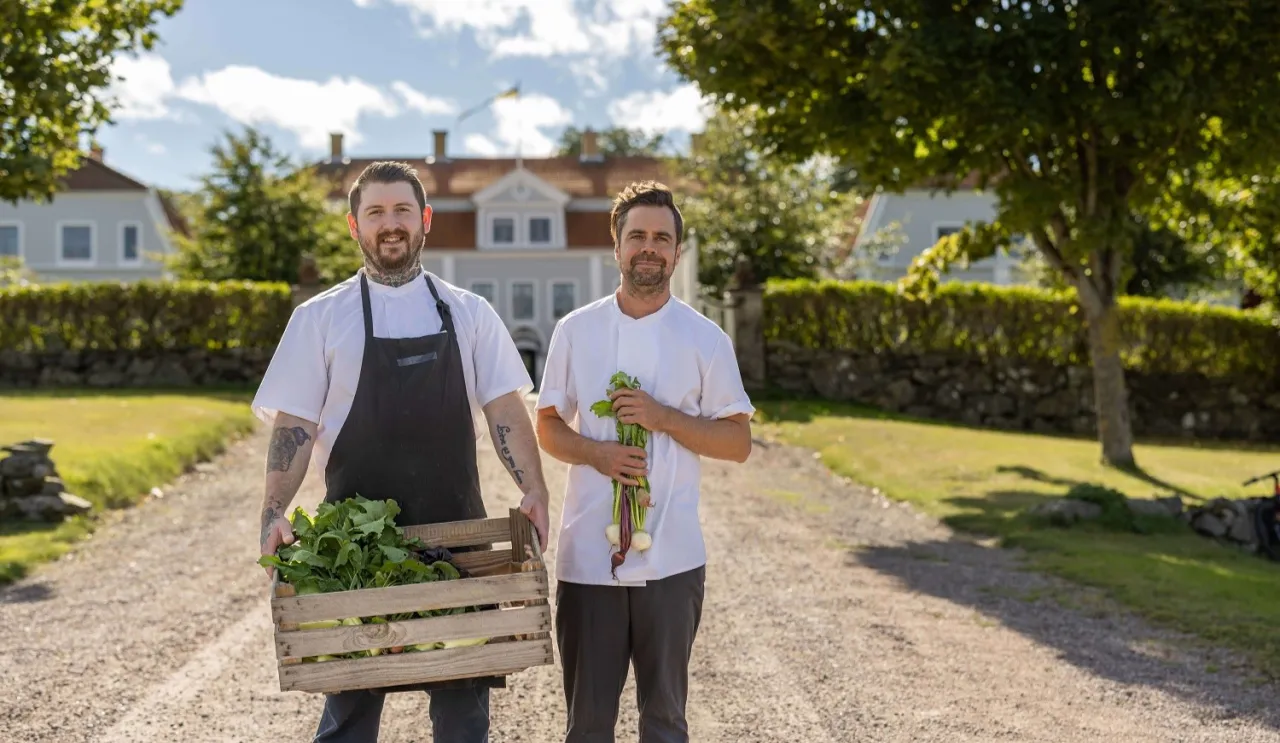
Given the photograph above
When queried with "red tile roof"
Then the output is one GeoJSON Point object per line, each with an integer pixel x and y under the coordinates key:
{"type": "Point", "coordinates": [463, 177]}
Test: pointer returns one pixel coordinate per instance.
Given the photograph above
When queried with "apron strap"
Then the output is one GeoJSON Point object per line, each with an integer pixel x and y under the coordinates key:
{"type": "Point", "coordinates": [446, 317]}
{"type": "Point", "coordinates": [368, 315]}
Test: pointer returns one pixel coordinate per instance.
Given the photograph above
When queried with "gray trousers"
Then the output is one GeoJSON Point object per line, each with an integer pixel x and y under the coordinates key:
{"type": "Point", "coordinates": [601, 630]}
{"type": "Point", "coordinates": [458, 715]}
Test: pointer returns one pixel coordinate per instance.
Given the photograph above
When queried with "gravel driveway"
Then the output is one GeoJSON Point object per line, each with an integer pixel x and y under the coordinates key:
{"type": "Point", "coordinates": [831, 615]}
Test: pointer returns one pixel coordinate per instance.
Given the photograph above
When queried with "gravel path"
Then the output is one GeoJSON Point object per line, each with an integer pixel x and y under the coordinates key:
{"type": "Point", "coordinates": [831, 615]}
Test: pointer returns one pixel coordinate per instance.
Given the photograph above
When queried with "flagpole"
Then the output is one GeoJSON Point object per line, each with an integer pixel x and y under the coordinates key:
{"type": "Point", "coordinates": [512, 92]}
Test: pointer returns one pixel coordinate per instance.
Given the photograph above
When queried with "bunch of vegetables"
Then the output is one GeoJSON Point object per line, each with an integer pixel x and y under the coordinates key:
{"type": "Point", "coordinates": [630, 502]}
{"type": "Point", "coordinates": [353, 544]}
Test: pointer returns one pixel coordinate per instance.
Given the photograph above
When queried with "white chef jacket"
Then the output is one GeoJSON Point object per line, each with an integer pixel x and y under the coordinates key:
{"type": "Point", "coordinates": [684, 361]}
{"type": "Point", "coordinates": [316, 365]}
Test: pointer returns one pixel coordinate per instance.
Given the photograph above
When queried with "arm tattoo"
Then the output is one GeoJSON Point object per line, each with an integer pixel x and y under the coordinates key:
{"type": "Point", "coordinates": [502, 432]}
{"type": "Point", "coordinates": [284, 447]}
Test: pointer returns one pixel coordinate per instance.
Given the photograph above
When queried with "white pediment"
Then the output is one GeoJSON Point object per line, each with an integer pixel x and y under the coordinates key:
{"type": "Point", "coordinates": [520, 188]}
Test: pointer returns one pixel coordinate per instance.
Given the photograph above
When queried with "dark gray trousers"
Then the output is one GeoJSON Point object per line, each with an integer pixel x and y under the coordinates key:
{"type": "Point", "coordinates": [458, 715]}
{"type": "Point", "coordinates": [602, 629]}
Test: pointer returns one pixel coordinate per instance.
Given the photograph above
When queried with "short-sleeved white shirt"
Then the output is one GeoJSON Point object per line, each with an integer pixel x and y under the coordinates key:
{"type": "Point", "coordinates": [684, 361]}
{"type": "Point", "coordinates": [316, 366]}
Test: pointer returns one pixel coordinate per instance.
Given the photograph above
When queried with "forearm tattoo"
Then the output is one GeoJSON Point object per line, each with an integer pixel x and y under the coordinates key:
{"type": "Point", "coordinates": [284, 447]}
{"type": "Point", "coordinates": [501, 432]}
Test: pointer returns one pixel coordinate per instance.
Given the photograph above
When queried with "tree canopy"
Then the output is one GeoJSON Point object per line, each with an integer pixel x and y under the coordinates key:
{"type": "Point", "coordinates": [55, 71]}
{"type": "Point", "coordinates": [257, 214]}
{"type": "Point", "coordinates": [617, 141]}
{"type": "Point", "coordinates": [1077, 116]}
{"type": "Point", "coordinates": [756, 216]}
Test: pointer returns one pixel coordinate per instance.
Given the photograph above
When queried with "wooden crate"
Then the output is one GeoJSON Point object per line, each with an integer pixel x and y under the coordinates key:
{"type": "Point", "coordinates": [513, 578]}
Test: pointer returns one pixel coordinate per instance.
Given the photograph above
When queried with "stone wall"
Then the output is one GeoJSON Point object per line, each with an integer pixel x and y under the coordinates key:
{"type": "Point", "coordinates": [1018, 396]}
{"type": "Point", "coordinates": [132, 368]}
{"type": "Point", "coordinates": [30, 487]}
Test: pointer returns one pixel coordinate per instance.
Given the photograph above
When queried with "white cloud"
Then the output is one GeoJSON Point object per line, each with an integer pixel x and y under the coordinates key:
{"type": "Point", "coordinates": [423, 104]}
{"type": "Point", "coordinates": [478, 144]}
{"type": "Point", "coordinates": [308, 108]}
{"type": "Point", "coordinates": [141, 88]}
{"type": "Point", "coordinates": [519, 127]}
{"type": "Point", "coordinates": [592, 31]}
{"type": "Point", "coordinates": [684, 108]}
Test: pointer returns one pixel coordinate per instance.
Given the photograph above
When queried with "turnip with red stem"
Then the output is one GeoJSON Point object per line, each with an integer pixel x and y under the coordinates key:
{"type": "Point", "coordinates": [630, 502]}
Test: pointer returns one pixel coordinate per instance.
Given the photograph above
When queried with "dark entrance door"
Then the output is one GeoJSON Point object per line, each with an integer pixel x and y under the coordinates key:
{"type": "Point", "coordinates": [530, 358]}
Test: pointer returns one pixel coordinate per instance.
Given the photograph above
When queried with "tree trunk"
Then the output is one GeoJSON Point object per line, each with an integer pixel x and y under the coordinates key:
{"type": "Point", "coordinates": [1110, 391]}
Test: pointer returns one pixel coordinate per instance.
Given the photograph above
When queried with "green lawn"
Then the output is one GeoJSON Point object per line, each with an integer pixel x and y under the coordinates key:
{"type": "Point", "coordinates": [983, 481]}
{"type": "Point", "coordinates": [111, 448]}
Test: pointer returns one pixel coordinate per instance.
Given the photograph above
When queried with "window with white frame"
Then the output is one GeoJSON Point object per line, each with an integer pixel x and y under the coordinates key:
{"type": "Point", "coordinates": [76, 244]}
{"type": "Point", "coordinates": [10, 241]}
{"type": "Point", "coordinates": [522, 305]}
{"type": "Point", "coordinates": [539, 230]}
{"type": "Point", "coordinates": [130, 243]}
{"type": "Point", "coordinates": [564, 298]}
{"type": "Point", "coordinates": [943, 230]}
{"type": "Point", "coordinates": [504, 230]}
{"type": "Point", "coordinates": [486, 289]}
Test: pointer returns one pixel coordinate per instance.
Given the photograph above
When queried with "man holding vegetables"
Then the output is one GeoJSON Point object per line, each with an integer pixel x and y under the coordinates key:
{"type": "Point", "coordinates": [380, 380]}
{"type": "Point", "coordinates": [654, 386]}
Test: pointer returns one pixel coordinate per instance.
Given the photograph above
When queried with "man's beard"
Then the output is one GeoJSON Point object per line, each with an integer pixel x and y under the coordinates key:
{"type": "Point", "coordinates": [647, 275]}
{"type": "Point", "coordinates": [391, 269]}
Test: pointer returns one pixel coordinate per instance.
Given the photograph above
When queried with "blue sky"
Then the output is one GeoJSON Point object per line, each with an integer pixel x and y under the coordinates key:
{"type": "Point", "coordinates": [387, 72]}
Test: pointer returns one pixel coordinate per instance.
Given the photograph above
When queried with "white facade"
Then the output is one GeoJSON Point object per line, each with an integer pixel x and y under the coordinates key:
{"type": "Point", "coordinates": [917, 219]}
{"type": "Point", "coordinates": [88, 235]}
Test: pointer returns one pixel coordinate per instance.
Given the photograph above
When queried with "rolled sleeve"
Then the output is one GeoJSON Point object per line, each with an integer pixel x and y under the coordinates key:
{"type": "Point", "coordinates": [297, 379]}
{"type": "Point", "coordinates": [499, 370]}
{"type": "Point", "coordinates": [723, 393]}
{"type": "Point", "coordinates": [556, 389]}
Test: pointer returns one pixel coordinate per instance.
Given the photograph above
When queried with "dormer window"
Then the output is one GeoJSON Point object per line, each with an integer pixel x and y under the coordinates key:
{"type": "Point", "coordinates": [520, 211]}
{"type": "Point", "coordinates": [504, 230]}
{"type": "Point", "coordinates": [540, 230]}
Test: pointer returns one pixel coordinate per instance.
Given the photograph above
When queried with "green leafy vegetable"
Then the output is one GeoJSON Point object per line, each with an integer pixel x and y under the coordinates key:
{"type": "Point", "coordinates": [630, 503]}
{"type": "Point", "coordinates": [355, 544]}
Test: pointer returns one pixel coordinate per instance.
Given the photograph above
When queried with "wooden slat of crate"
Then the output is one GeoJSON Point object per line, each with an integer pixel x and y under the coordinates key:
{"type": "Point", "coordinates": [487, 624]}
{"type": "Point", "coordinates": [414, 668]}
{"type": "Point", "coordinates": [462, 533]}
{"type": "Point", "coordinates": [483, 562]}
{"type": "Point", "coordinates": [369, 602]}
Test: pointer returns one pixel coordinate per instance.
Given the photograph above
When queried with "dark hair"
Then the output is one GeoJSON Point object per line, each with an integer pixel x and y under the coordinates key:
{"type": "Point", "coordinates": [643, 193]}
{"type": "Point", "coordinates": [387, 172]}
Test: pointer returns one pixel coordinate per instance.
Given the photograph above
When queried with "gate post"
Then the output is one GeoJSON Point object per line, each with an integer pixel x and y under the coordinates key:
{"type": "Point", "coordinates": [744, 322]}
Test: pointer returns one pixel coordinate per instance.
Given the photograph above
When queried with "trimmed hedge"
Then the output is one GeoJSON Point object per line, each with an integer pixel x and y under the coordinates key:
{"type": "Point", "coordinates": [143, 316]}
{"type": "Point", "coordinates": [987, 322]}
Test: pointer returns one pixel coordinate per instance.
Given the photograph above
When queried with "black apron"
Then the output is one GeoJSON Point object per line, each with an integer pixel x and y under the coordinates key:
{"type": "Point", "coordinates": [409, 435]}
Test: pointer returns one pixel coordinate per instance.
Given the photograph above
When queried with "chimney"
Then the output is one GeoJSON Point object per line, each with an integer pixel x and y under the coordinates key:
{"type": "Point", "coordinates": [441, 136]}
{"type": "Point", "coordinates": [590, 150]}
{"type": "Point", "coordinates": [335, 147]}
{"type": "Point", "coordinates": [95, 152]}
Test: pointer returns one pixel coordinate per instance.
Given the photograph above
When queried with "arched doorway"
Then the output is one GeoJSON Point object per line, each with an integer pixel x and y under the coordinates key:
{"type": "Point", "coordinates": [529, 343]}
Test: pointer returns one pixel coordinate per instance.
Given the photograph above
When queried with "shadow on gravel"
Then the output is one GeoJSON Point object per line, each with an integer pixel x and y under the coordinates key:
{"type": "Point", "coordinates": [1084, 631]}
{"type": "Point", "coordinates": [27, 594]}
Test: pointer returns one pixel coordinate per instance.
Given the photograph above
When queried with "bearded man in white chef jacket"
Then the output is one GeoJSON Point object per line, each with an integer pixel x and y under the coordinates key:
{"type": "Point", "coordinates": [382, 380]}
{"type": "Point", "coordinates": [691, 399]}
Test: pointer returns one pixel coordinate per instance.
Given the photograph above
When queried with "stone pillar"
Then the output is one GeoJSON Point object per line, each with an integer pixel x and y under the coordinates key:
{"type": "Point", "coordinates": [744, 322]}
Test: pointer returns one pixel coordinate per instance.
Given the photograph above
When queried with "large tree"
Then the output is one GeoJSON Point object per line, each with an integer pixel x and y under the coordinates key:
{"type": "Point", "coordinates": [257, 215]}
{"type": "Point", "coordinates": [1077, 115]}
{"type": "Point", "coordinates": [756, 216]}
{"type": "Point", "coordinates": [55, 71]}
{"type": "Point", "coordinates": [617, 141]}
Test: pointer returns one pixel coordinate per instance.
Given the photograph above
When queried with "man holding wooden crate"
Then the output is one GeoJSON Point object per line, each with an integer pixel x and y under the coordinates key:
{"type": "Point", "coordinates": [692, 402]}
{"type": "Point", "coordinates": [379, 379]}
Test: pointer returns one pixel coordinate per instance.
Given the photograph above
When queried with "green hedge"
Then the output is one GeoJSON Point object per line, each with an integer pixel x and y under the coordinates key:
{"type": "Point", "coordinates": [988, 322]}
{"type": "Point", "coordinates": [143, 316]}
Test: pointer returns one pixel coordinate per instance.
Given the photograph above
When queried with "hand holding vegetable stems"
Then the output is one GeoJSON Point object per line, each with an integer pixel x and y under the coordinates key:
{"type": "Point", "coordinates": [636, 413]}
